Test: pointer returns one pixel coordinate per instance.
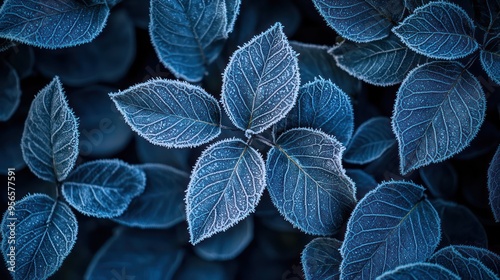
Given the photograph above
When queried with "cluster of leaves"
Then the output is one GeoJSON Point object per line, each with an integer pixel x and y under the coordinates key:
{"type": "Point", "coordinates": [286, 125]}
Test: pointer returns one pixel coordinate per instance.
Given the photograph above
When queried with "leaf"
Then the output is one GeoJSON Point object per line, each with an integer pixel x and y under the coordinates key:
{"type": "Point", "coordinates": [188, 35]}
{"type": "Point", "coordinates": [226, 245]}
{"type": "Point", "coordinates": [361, 21]}
{"type": "Point", "coordinates": [490, 59]}
{"type": "Point", "coordinates": [439, 30]}
{"type": "Point", "coordinates": [383, 63]}
{"type": "Point", "coordinates": [363, 181]}
{"type": "Point", "coordinates": [321, 259]}
{"type": "Point", "coordinates": [261, 82]}
{"type": "Point", "coordinates": [494, 184]}
{"type": "Point", "coordinates": [171, 114]}
{"type": "Point", "coordinates": [441, 179]}
{"type": "Point", "coordinates": [371, 140]}
{"type": "Point", "coordinates": [10, 91]}
{"type": "Point", "coordinates": [52, 23]}
{"type": "Point", "coordinates": [149, 153]}
{"type": "Point", "coordinates": [45, 231]}
{"type": "Point", "coordinates": [11, 155]}
{"type": "Point", "coordinates": [321, 105]}
{"type": "Point", "coordinates": [22, 59]}
{"type": "Point", "coordinates": [103, 188]}
{"type": "Point", "coordinates": [488, 17]}
{"type": "Point", "coordinates": [136, 254]}
{"type": "Point", "coordinates": [161, 205]}
{"type": "Point", "coordinates": [226, 185]}
{"type": "Point", "coordinates": [194, 268]}
{"type": "Point", "coordinates": [392, 225]}
{"type": "Point", "coordinates": [486, 257]}
{"type": "Point", "coordinates": [419, 271]}
{"type": "Point", "coordinates": [232, 10]}
{"type": "Point", "coordinates": [463, 266]}
{"type": "Point", "coordinates": [50, 137]}
{"type": "Point", "coordinates": [438, 111]}
{"type": "Point", "coordinates": [307, 182]}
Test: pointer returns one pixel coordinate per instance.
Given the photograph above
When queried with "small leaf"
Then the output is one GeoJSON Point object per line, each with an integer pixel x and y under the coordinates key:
{"type": "Point", "coordinates": [490, 59]}
{"type": "Point", "coordinates": [383, 63]}
{"type": "Point", "coordinates": [50, 136]}
{"type": "Point", "coordinates": [52, 23]}
{"type": "Point", "coordinates": [370, 141]}
{"type": "Point", "coordinates": [161, 205]}
{"type": "Point", "coordinates": [361, 21]}
{"type": "Point", "coordinates": [486, 257]}
{"type": "Point", "coordinates": [307, 182]}
{"type": "Point", "coordinates": [261, 82]}
{"type": "Point", "coordinates": [321, 259]}
{"type": "Point", "coordinates": [441, 179]}
{"type": "Point", "coordinates": [103, 188]}
{"type": "Point", "coordinates": [226, 185]}
{"type": "Point", "coordinates": [324, 106]}
{"type": "Point", "coordinates": [391, 226]}
{"type": "Point", "coordinates": [439, 30]}
{"type": "Point", "coordinates": [439, 109]}
{"type": "Point", "coordinates": [232, 9]}
{"type": "Point", "coordinates": [45, 233]}
{"type": "Point", "coordinates": [171, 114]}
{"type": "Point", "coordinates": [226, 245]}
{"type": "Point", "coordinates": [494, 184]}
{"type": "Point", "coordinates": [419, 271]}
{"type": "Point", "coordinates": [10, 91]}
{"type": "Point", "coordinates": [363, 181]}
{"type": "Point", "coordinates": [188, 35]}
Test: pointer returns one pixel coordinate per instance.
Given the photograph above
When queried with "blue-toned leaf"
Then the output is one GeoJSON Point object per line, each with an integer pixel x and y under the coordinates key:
{"type": "Point", "coordinates": [391, 226]}
{"type": "Point", "coordinates": [383, 63]}
{"type": "Point", "coordinates": [50, 136]}
{"type": "Point", "coordinates": [21, 58]}
{"type": "Point", "coordinates": [10, 90]}
{"type": "Point", "coordinates": [324, 106]}
{"type": "Point", "coordinates": [438, 111]}
{"type": "Point", "coordinates": [149, 153]}
{"type": "Point", "coordinates": [228, 244]}
{"type": "Point", "coordinates": [188, 35]}
{"type": "Point", "coordinates": [136, 254]}
{"type": "Point", "coordinates": [307, 182]}
{"type": "Point", "coordinates": [371, 140]}
{"type": "Point", "coordinates": [103, 188]}
{"type": "Point", "coordinates": [494, 184]}
{"type": "Point", "coordinates": [170, 113]}
{"type": "Point", "coordinates": [490, 59]}
{"type": "Point", "coordinates": [45, 232]}
{"type": "Point", "coordinates": [419, 271]}
{"type": "Point", "coordinates": [52, 23]}
{"type": "Point", "coordinates": [441, 179]}
{"type": "Point", "coordinates": [488, 17]}
{"type": "Point", "coordinates": [226, 185]}
{"type": "Point", "coordinates": [138, 12]}
{"type": "Point", "coordinates": [232, 10]}
{"type": "Point", "coordinates": [467, 5]}
{"type": "Point", "coordinates": [194, 268]}
{"type": "Point", "coordinates": [361, 21]}
{"type": "Point", "coordinates": [486, 257]}
{"type": "Point", "coordinates": [439, 30]}
{"type": "Point", "coordinates": [261, 81]}
{"type": "Point", "coordinates": [107, 59]}
{"type": "Point", "coordinates": [363, 181]}
{"type": "Point", "coordinates": [464, 266]}
{"type": "Point", "coordinates": [321, 259]}
{"type": "Point", "coordinates": [161, 205]}
{"type": "Point", "coordinates": [11, 155]}
{"type": "Point", "coordinates": [315, 61]}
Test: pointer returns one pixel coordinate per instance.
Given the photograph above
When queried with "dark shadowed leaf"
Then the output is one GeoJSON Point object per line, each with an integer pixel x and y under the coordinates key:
{"type": "Point", "coordinates": [149, 153]}
{"type": "Point", "coordinates": [486, 257]}
{"type": "Point", "coordinates": [441, 179]}
{"type": "Point", "coordinates": [419, 271]}
{"type": "Point", "coordinates": [11, 155]}
{"type": "Point", "coordinates": [321, 259]}
{"type": "Point", "coordinates": [490, 59]}
{"type": "Point", "coordinates": [363, 181]}
{"type": "Point", "coordinates": [494, 184]}
{"type": "Point", "coordinates": [10, 90]}
{"type": "Point", "coordinates": [194, 268]}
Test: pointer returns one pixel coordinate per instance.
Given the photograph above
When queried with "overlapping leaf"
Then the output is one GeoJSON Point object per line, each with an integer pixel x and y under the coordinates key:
{"type": "Point", "coordinates": [52, 23]}
{"type": "Point", "coordinates": [45, 231]}
{"type": "Point", "coordinates": [232, 9]}
{"type": "Point", "coordinates": [392, 225]}
{"type": "Point", "coordinates": [384, 62]}
{"type": "Point", "coordinates": [488, 17]}
{"type": "Point", "coordinates": [50, 136]}
{"type": "Point", "coordinates": [170, 113]}
{"type": "Point", "coordinates": [438, 111]}
{"type": "Point", "coordinates": [321, 259]}
{"type": "Point", "coordinates": [441, 179]}
{"type": "Point", "coordinates": [307, 182]}
{"type": "Point", "coordinates": [261, 81]}
{"type": "Point", "coordinates": [494, 184]}
{"type": "Point", "coordinates": [10, 91]}
{"type": "Point", "coordinates": [419, 271]}
{"type": "Point", "coordinates": [103, 188]}
{"type": "Point", "coordinates": [363, 181]}
{"type": "Point", "coordinates": [490, 59]}
{"type": "Point", "coordinates": [226, 185]}
{"type": "Point", "coordinates": [486, 257]}
{"type": "Point", "coordinates": [439, 30]}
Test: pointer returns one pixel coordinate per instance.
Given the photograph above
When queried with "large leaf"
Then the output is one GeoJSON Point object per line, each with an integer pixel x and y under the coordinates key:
{"type": "Point", "coordinates": [391, 226]}
{"type": "Point", "coordinates": [486, 257]}
{"type": "Point", "coordinates": [226, 185]}
{"type": "Point", "coordinates": [170, 113]}
{"type": "Point", "coordinates": [103, 188]}
{"type": "Point", "coordinates": [361, 21]}
{"type": "Point", "coordinates": [52, 23]}
{"type": "Point", "coordinates": [384, 62]}
{"type": "Point", "coordinates": [321, 105]}
{"type": "Point", "coordinates": [188, 35]}
{"type": "Point", "coordinates": [50, 136]}
{"type": "Point", "coordinates": [490, 59]}
{"type": "Point", "coordinates": [261, 82]}
{"type": "Point", "coordinates": [419, 271]}
{"type": "Point", "coordinates": [439, 109]}
{"type": "Point", "coordinates": [307, 182]}
{"type": "Point", "coordinates": [494, 184]}
{"type": "Point", "coordinates": [439, 30]}
{"type": "Point", "coordinates": [44, 232]}
{"type": "Point", "coordinates": [10, 90]}
{"type": "Point", "coordinates": [321, 259]}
